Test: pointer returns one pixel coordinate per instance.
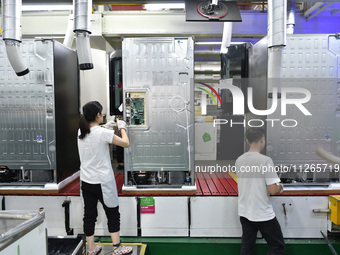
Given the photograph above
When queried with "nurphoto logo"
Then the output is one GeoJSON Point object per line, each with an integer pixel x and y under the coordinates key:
{"type": "Point", "coordinates": [238, 107]}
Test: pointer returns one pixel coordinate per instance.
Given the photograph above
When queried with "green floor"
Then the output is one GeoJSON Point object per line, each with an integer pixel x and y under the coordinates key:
{"type": "Point", "coordinates": [226, 246]}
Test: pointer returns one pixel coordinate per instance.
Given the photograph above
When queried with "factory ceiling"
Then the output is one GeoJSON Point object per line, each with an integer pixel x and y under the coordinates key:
{"type": "Point", "coordinates": [146, 1]}
{"type": "Point", "coordinates": [309, 8]}
{"type": "Point", "coordinates": [331, 6]}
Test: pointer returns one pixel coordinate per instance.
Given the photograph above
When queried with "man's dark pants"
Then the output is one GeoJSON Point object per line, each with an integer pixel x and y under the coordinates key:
{"type": "Point", "coordinates": [271, 232]}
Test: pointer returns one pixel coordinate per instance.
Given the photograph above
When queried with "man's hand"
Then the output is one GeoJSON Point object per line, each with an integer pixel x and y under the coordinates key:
{"type": "Point", "coordinates": [275, 189]}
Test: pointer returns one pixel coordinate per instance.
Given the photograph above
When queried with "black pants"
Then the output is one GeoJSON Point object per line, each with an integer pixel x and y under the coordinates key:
{"type": "Point", "coordinates": [271, 232]}
{"type": "Point", "coordinates": [91, 194]}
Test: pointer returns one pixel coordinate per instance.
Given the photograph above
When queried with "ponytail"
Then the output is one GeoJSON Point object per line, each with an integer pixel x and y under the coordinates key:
{"type": "Point", "coordinates": [90, 111]}
{"type": "Point", "coordinates": [84, 127]}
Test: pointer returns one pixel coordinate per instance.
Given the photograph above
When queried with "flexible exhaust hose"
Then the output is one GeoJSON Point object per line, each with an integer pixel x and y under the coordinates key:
{"type": "Point", "coordinates": [12, 35]}
{"type": "Point", "coordinates": [82, 16]}
{"type": "Point", "coordinates": [291, 5]}
{"type": "Point", "coordinates": [327, 156]}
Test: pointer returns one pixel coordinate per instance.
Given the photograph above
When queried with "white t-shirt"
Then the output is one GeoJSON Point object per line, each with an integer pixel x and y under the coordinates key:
{"type": "Point", "coordinates": [254, 172]}
{"type": "Point", "coordinates": [94, 155]}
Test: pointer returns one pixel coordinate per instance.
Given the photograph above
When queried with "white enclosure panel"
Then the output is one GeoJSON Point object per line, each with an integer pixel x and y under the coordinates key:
{"type": "Point", "coordinates": [218, 216]}
{"type": "Point", "coordinates": [299, 220]}
{"type": "Point", "coordinates": [210, 216]}
{"type": "Point", "coordinates": [33, 242]}
{"type": "Point", "coordinates": [128, 217]}
{"type": "Point", "coordinates": [214, 217]}
{"type": "Point", "coordinates": [54, 24]}
{"type": "Point", "coordinates": [54, 212]}
{"type": "Point", "coordinates": [94, 84]}
{"type": "Point", "coordinates": [171, 218]}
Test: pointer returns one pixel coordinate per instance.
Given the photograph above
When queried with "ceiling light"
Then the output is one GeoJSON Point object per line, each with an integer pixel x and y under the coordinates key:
{"type": "Point", "coordinates": [216, 43]}
{"type": "Point", "coordinates": [157, 7]}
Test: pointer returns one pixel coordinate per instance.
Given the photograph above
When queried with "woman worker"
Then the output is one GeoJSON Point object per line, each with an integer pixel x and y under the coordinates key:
{"type": "Point", "coordinates": [96, 175]}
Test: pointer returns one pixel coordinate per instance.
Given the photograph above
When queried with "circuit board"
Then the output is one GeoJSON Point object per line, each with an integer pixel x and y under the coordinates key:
{"type": "Point", "coordinates": [137, 111]}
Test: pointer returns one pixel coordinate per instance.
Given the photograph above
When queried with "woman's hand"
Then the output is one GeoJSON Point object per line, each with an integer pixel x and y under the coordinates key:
{"type": "Point", "coordinates": [121, 124]}
{"type": "Point", "coordinates": [109, 125]}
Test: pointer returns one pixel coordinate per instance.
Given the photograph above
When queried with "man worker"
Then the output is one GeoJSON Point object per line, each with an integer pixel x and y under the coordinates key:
{"type": "Point", "coordinates": [256, 181]}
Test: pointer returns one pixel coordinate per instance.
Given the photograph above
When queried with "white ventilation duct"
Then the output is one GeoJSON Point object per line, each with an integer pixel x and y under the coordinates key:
{"type": "Point", "coordinates": [226, 37]}
{"type": "Point", "coordinates": [277, 16]}
{"type": "Point", "coordinates": [69, 35]}
{"type": "Point", "coordinates": [82, 21]}
{"type": "Point", "coordinates": [11, 34]}
{"type": "Point", "coordinates": [277, 13]}
{"type": "Point", "coordinates": [291, 5]}
{"type": "Point", "coordinates": [225, 58]}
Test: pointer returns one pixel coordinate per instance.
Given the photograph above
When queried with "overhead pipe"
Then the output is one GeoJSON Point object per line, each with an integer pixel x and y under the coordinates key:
{"type": "Point", "coordinates": [226, 37]}
{"type": "Point", "coordinates": [277, 16]}
{"type": "Point", "coordinates": [11, 34]}
{"type": "Point", "coordinates": [277, 13]}
{"type": "Point", "coordinates": [82, 22]}
{"type": "Point", "coordinates": [226, 40]}
{"type": "Point", "coordinates": [291, 6]}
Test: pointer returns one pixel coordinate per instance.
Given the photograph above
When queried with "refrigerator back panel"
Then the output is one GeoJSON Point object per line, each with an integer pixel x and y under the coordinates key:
{"type": "Point", "coordinates": [159, 108]}
{"type": "Point", "coordinates": [311, 62]}
{"type": "Point", "coordinates": [39, 114]}
{"type": "Point", "coordinates": [27, 126]}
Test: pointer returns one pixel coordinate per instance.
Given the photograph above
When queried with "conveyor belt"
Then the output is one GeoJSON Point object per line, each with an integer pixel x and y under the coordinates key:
{"type": "Point", "coordinates": [216, 184]}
